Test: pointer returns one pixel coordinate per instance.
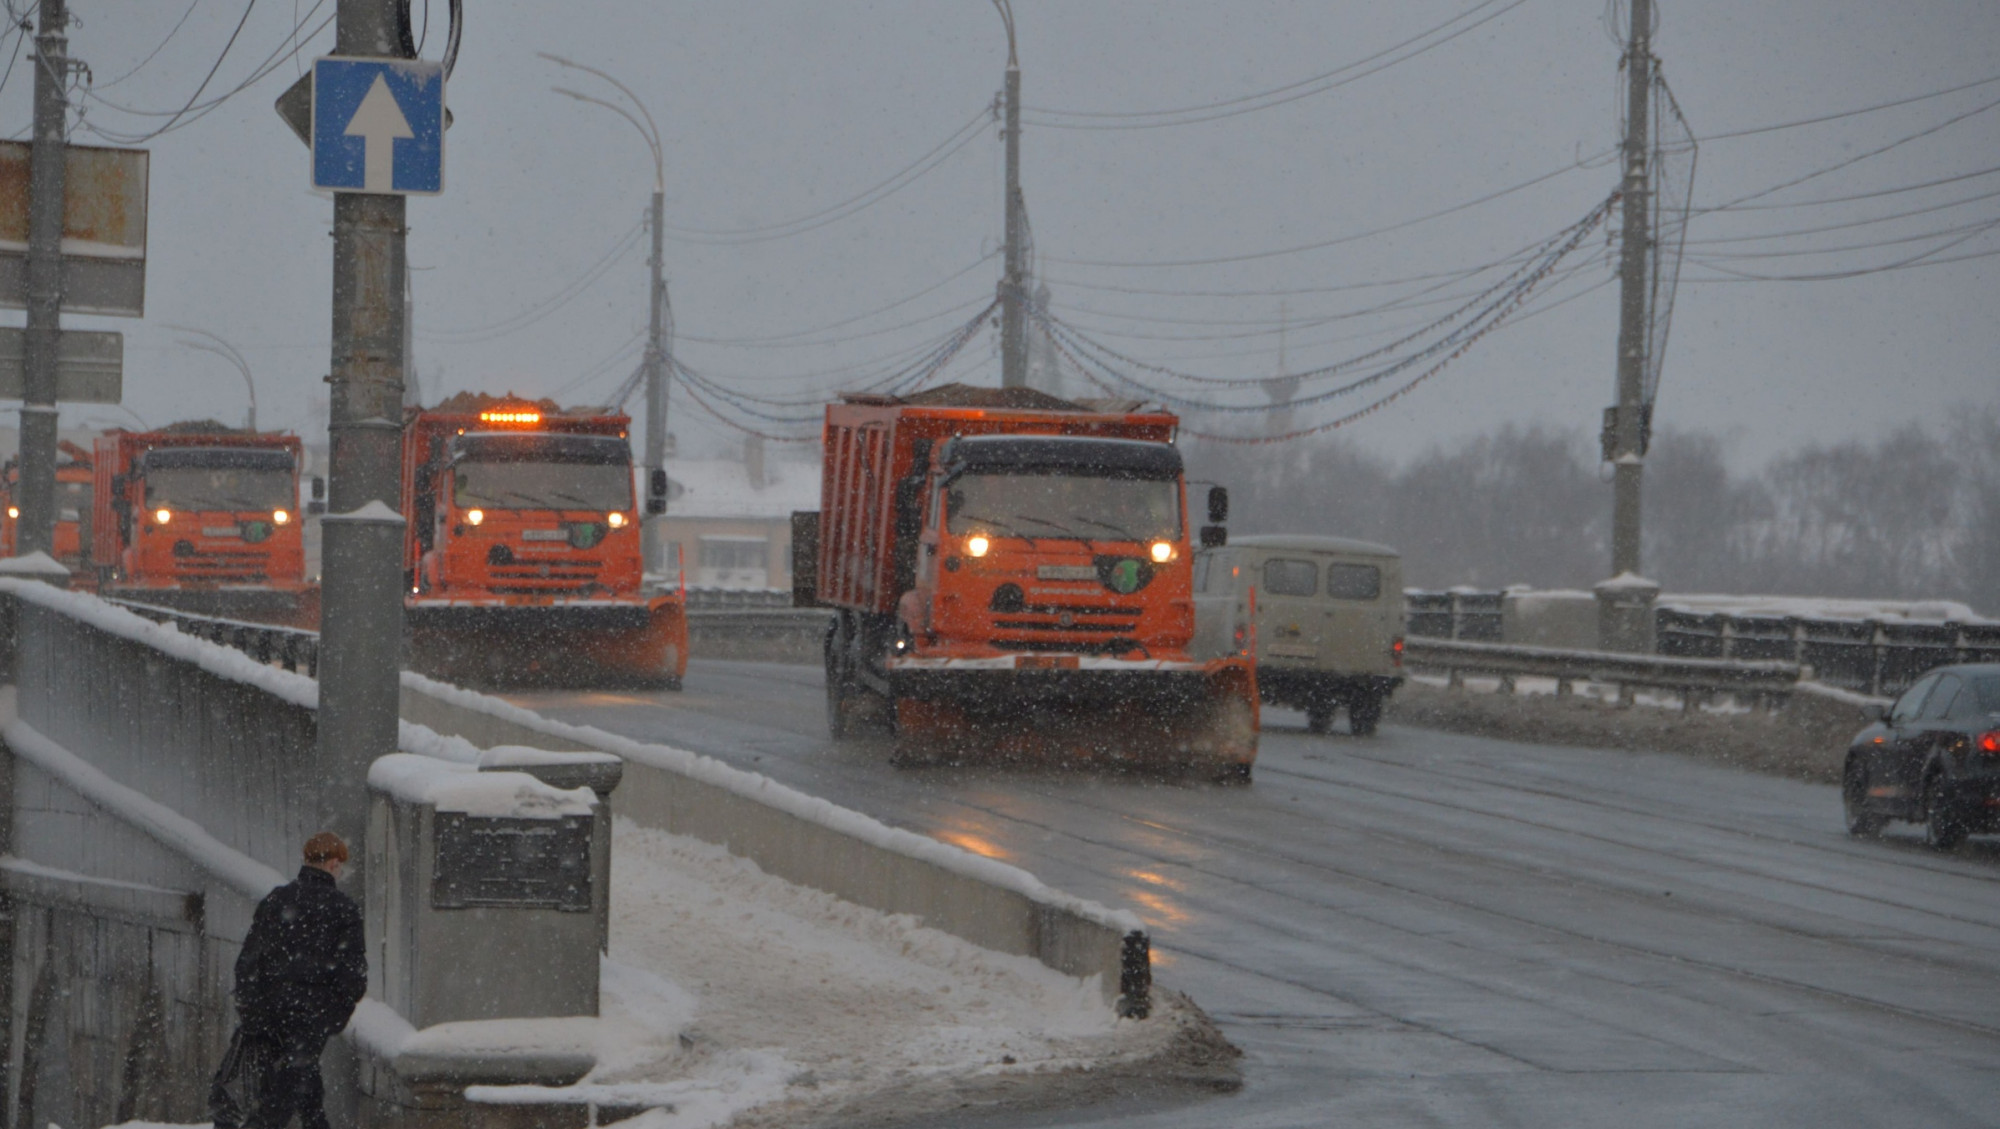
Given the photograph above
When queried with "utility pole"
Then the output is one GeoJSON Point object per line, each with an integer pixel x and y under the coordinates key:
{"type": "Point", "coordinates": [36, 533]}
{"type": "Point", "coordinates": [1628, 440]}
{"type": "Point", "coordinates": [361, 620]}
{"type": "Point", "coordinates": [1014, 282]}
{"type": "Point", "coordinates": [656, 384]}
{"type": "Point", "coordinates": [1625, 601]}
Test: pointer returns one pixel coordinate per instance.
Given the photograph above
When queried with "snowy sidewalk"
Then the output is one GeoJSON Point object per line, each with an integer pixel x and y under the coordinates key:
{"type": "Point", "coordinates": [731, 994]}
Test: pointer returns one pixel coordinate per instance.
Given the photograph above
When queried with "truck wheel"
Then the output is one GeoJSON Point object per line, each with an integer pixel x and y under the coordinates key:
{"type": "Point", "coordinates": [1861, 824]}
{"type": "Point", "coordinates": [1363, 715]}
{"type": "Point", "coordinates": [837, 692]}
{"type": "Point", "coordinates": [1319, 719]}
{"type": "Point", "coordinates": [1944, 828]}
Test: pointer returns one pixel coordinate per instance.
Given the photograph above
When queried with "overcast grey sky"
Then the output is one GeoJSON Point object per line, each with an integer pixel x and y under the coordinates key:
{"type": "Point", "coordinates": [774, 110]}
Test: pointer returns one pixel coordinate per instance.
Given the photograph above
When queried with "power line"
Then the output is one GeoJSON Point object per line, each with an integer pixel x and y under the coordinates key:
{"type": "Point", "coordinates": [1755, 130]}
{"type": "Point", "coordinates": [1853, 196]}
{"type": "Point", "coordinates": [880, 191]}
{"type": "Point", "coordinates": [879, 310]}
{"type": "Point", "coordinates": [1980, 225]}
{"type": "Point", "coordinates": [1922, 133]}
{"type": "Point", "coordinates": [1922, 258]}
{"type": "Point", "coordinates": [542, 308]}
{"type": "Point", "coordinates": [241, 22]}
{"type": "Point", "coordinates": [157, 48]}
{"type": "Point", "coordinates": [1277, 96]}
{"type": "Point", "coordinates": [1870, 221]}
{"type": "Point", "coordinates": [823, 341]}
{"type": "Point", "coordinates": [1353, 238]}
{"type": "Point", "coordinates": [289, 48]}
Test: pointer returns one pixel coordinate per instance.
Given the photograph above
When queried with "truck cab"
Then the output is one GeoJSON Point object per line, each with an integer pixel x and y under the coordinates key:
{"type": "Point", "coordinates": [74, 483]}
{"type": "Point", "coordinates": [523, 556]}
{"type": "Point", "coordinates": [201, 516]}
{"type": "Point", "coordinates": [1046, 543]}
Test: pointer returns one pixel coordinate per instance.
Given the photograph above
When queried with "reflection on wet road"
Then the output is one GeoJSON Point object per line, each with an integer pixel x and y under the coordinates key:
{"type": "Point", "coordinates": [1422, 928]}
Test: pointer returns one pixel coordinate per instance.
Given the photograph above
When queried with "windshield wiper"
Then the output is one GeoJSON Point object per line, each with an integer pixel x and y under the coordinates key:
{"type": "Point", "coordinates": [998, 524]}
{"type": "Point", "coordinates": [1119, 530]}
{"type": "Point", "coordinates": [581, 503]}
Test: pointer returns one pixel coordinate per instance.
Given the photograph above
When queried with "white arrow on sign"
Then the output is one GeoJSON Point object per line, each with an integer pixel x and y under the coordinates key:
{"type": "Point", "coordinates": [378, 122]}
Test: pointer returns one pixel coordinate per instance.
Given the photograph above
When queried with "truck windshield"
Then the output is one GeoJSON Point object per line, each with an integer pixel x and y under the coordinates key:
{"type": "Point", "coordinates": [1085, 507]}
{"type": "Point", "coordinates": [534, 485]}
{"type": "Point", "coordinates": [194, 489]}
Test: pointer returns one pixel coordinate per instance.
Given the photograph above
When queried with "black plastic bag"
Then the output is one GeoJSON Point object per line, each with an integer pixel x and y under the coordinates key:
{"type": "Point", "coordinates": [236, 1094]}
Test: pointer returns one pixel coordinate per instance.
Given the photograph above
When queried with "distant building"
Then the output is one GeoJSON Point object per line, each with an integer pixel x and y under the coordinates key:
{"type": "Point", "coordinates": [729, 521]}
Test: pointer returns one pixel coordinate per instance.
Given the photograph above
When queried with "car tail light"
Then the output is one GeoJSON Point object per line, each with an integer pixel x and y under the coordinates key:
{"type": "Point", "coordinates": [1989, 743]}
{"type": "Point", "coordinates": [1396, 651]}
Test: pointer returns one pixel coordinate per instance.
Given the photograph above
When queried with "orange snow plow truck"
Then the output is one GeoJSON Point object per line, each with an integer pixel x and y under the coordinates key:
{"type": "Point", "coordinates": [73, 520]}
{"type": "Point", "coordinates": [523, 556]}
{"type": "Point", "coordinates": [1010, 575]}
{"type": "Point", "coordinates": [203, 518]}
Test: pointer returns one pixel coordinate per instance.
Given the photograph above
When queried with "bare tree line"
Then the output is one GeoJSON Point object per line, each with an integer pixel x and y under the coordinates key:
{"type": "Point", "coordinates": [1912, 514]}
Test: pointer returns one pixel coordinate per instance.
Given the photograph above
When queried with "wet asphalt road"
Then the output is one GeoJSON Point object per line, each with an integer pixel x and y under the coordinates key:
{"type": "Point", "coordinates": [1428, 929]}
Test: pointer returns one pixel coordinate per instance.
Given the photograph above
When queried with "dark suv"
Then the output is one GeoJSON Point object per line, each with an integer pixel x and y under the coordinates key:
{"type": "Point", "coordinates": [1933, 758]}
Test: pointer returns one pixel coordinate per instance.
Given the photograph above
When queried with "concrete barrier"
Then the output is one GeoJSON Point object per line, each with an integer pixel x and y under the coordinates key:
{"type": "Point", "coordinates": [153, 787]}
{"type": "Point", "coordinates": [818, 844]}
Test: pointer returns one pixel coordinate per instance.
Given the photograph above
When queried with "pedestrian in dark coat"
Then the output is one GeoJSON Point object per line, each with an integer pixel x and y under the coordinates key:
{"type": "Point", "coordinates": [303, 968]}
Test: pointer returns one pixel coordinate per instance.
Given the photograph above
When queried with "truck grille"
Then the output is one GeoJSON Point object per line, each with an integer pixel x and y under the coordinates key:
{"type": "Point", "coordinates": [222, 566]}
{"type": "Point", "coordinates": [527, 578]}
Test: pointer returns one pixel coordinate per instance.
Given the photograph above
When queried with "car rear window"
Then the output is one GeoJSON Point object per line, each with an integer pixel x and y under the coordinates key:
{"type": "Point", "coordinates": [1291, 578]}
{"type": "Point", "coordinates": [1353, 582]}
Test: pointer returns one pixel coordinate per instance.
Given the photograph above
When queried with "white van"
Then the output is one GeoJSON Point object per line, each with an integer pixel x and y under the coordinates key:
{"type": "Point", "coordinates": [1328, 631]}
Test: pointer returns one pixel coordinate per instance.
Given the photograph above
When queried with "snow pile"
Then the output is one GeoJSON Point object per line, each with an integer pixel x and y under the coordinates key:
{"type": "Point", "coordinates": [730, 989]}
{"type": "Point", "coordinates": [111, 619]}
{"type": "Point", "coordinates": [1818, 607]}
{"type": "Point", "coordinates": [449, 786]}
{"type": "Point", "coordinates": [764, 790]}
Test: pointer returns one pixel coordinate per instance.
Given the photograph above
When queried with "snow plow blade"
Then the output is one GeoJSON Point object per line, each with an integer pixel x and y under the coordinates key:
{"type": "Point", "coordinates": [581, 644]}
{"type": "Point", "coordinates": [1199, 718]}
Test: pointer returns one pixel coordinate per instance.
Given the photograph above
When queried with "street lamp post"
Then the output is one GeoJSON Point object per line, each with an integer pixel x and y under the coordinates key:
{"type": "Point", "coordinates": [655, 458]}
{"type": "Point", "coordinates": [216, 345]}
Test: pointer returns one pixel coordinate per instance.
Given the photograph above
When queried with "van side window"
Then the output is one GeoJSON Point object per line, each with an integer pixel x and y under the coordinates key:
{"type": "Point", "coordinates": [1290, 578]}
{"type": "Point", "coordinates": [1201, 563]}
{"type": "Point", "coordinates": [1353, 581]}
{"type": "Point", "coordinates": [1938, 706]}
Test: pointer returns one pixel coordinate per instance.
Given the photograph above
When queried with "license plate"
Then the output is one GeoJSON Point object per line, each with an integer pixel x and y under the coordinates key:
{"type": "Point", "coordinates": [1066, 572]}
{"type": "Point", "coordinates": [220, 531]}
{"type": "Point", "coordinates": [1045, 662]}
{"type": "Point", "coordinates": [544, 535]}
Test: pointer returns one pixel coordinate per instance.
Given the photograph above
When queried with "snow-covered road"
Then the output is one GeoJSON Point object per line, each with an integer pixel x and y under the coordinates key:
{"type": "Point", "coordinates": [1424, 928]}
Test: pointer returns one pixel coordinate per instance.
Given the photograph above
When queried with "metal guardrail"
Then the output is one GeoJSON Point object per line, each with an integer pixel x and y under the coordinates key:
{"type": "Point", "coordinates": [1455, 613]}
{"type": "Point", "coordinates": [1692, 678]}
{"type": "Point", "coordinates": [710, 599]}
{"type": "Point", "coordinates": [1869, 656]}
{"type": "Point", "coordinates": [289, 647]}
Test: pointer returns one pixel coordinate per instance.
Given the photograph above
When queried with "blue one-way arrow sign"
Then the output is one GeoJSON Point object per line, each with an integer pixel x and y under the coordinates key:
{"type": "Point", "coordinates": [378, 126]}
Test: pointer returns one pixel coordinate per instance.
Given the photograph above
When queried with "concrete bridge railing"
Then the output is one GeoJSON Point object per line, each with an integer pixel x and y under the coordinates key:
{"type": "Point", "coordinates": [153, 787]}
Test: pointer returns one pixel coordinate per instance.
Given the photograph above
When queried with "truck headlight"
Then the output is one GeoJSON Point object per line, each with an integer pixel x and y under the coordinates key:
{"type": "Point", "coordinates": [615, 520]}
{"type": "Point", "coordinates": [474, 517]}
{"type": "Point", "coordinates": [163, 515]}
{"type": "Point", "coordinates": [1163, 551]}
{"type": "Point", "coordinates": [976, 545]}
{"type": "Point", "coordinates": [280, 517]}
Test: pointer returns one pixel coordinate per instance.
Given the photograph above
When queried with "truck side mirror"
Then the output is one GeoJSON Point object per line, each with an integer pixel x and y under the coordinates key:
{"type": "Point", "coordinates": [1214, 537]}
{"type": "Point", "coordinates": [656, 492]}
{"type": "Point", "coordinates": [1218, 505]}
{"type": "Point", "coordinates": [317, 504]}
